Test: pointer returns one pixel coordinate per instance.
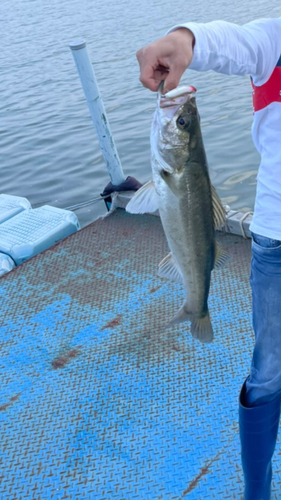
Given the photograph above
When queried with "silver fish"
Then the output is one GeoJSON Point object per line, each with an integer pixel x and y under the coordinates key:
{"type": "Point", "coordinates": [189, 206]}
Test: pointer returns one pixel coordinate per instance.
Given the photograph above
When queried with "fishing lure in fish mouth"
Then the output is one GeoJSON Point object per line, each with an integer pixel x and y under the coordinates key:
{"type": "Point", "coordinates": [174, 97]}
{"type": "Point", "coordinates": [179, 91]}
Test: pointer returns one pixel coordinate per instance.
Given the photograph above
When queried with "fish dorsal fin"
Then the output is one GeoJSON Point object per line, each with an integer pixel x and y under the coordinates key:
{"type": "Point", "coordinates": [221, 256]}
{"type": "Point", "coordinates": [145, 200]}
{"type": "Point", "coordinates": [219, 211]}
{"type": "Point", "coordinates": [169, 269]}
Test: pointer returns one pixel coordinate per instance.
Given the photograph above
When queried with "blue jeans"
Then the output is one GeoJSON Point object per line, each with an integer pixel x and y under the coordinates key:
{"type": "Point", "coordinates": [264, 382]}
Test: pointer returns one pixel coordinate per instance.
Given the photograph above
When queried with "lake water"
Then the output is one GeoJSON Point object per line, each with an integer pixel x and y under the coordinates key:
{"type": "Point", "coordinates": [48, 145]}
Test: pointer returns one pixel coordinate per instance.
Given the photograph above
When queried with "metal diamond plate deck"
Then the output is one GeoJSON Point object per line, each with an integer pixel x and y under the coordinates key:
{"type": "Point", "coordinates": [97, 400]}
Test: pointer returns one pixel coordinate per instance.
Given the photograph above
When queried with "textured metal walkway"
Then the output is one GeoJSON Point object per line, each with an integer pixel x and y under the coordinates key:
{"type": "Point", "coordinates": [97, 400]}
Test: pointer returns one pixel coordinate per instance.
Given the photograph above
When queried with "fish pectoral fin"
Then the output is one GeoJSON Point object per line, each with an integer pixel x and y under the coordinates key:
{"type": "Point", "coordinates": [221, 256]}
{"type": "Point", "coordinates": [169, 269]}
{"type": "Point", "coordinates": [145, 200]}
{"type": "Point", "coordinates": [201, 329]}
{"type": "Point", "coordinates": [171, 182]}
{"type": "Point", "coordinates": [218, 209]}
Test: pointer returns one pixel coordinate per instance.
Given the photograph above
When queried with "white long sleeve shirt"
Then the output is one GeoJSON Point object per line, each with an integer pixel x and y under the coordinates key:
{"type": "Point", "coordinates": [253, 49]}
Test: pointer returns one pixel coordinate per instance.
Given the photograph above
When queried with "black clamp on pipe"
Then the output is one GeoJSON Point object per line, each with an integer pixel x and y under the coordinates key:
{"type": "Point", "coordinates": [130, 184]}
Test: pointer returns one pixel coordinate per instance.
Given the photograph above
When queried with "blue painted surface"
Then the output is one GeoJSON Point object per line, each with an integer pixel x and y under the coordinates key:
{"type": "Point", "coordinates": [97, 400]}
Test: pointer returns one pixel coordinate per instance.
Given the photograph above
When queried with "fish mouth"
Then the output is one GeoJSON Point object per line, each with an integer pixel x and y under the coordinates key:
{"type": "Point", "coordinates": [176, 97]}
{"type": "Point", "coordinates": [172, 103]}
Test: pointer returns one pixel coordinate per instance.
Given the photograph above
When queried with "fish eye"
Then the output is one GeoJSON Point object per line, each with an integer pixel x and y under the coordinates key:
{"type": "Point", "coordinates": [183, 121]}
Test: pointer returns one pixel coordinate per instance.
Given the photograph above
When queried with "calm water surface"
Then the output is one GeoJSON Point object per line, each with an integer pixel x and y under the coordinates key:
{"type": "Point", "coordinates": [48, 145]}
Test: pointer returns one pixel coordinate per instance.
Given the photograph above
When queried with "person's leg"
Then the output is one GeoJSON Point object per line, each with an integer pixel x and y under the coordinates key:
{"type": "Point", "coordinates": [259, 409]}
{"type": "Point", "coordinates": [258, 433]}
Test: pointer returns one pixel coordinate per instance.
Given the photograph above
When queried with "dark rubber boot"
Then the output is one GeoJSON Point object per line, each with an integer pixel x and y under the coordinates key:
{"type": "Point", "coordinates": [258, 433]}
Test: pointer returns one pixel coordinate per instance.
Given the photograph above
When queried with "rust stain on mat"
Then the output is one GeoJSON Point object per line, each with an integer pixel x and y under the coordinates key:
{"type": "Point", "coordinates": [202, 473]}
{"type": "Point", "coordinates": [12, 400]}
{"type": "Point", "coordinates": [62, 360]}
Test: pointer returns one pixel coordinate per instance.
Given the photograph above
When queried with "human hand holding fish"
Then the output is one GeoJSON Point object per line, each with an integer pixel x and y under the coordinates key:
{"type": "Point", "coordinates": [166, 60]}
{"type": "Point", "coordinates": [189, 207]}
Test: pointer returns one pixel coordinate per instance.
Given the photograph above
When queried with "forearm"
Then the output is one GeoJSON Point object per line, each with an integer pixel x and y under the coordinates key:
{"type": "Point", "coordinates": [252, 49]}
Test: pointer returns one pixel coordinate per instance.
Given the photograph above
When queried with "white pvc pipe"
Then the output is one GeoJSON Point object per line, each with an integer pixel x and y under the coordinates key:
{"type": "Point", "coordinates": [97, 111]}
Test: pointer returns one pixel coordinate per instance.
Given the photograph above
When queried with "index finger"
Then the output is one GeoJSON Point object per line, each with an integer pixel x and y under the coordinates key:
{"type": "Point", "coordinates": [147, 78]}
{"type": "Point", "coordinates": [152, 72]}
{"type": "Point", "coordinates": [151, 77]}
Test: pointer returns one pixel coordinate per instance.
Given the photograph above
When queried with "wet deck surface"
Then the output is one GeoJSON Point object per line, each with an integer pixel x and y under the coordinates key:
{"type": "Point", "coordinates": [97, 400]}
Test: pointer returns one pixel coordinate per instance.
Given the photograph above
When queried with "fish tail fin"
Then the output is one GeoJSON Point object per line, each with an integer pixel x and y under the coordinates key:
{"type": "Point", "coordinates": [201, 329]}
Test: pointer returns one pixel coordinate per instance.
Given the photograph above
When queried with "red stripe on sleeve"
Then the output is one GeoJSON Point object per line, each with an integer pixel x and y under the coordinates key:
{"type": "Point", "coordinates": [269, 92]}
